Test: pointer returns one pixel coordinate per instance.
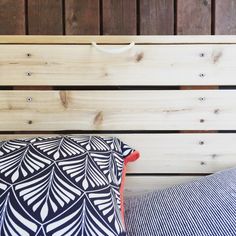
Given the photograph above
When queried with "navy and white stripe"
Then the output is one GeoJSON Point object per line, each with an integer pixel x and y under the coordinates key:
{"type": "Point", "coordinates": [206, 207]}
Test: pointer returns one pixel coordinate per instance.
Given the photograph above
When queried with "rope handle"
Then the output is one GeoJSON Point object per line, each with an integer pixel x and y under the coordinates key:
{"type": "Point", "coordinates": [113, 50]}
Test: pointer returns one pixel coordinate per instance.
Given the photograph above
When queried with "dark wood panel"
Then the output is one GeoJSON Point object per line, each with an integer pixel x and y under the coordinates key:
{"type": "Point", "coordinates": [82, 17]}
{"type": "Point", "coordinates": [119, 17]}
{"type": "Point", "coordinates": [193, 17]}
{"type": "Point", "coordinates": [45, 17]}
{"type": "Point", "coordinates": [156, 17]}
{"type": "Point", "coordinates": [225, 17]}
{"type": "Point", "coordinates": [12, 17]}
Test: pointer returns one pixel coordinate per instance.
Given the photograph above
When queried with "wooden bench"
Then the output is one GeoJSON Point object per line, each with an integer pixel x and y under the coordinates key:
{"type": "Point", "coordinates": [64, 84]}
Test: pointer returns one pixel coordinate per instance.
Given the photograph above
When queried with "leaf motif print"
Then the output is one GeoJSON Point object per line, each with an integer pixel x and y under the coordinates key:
{"type": "Point", "coordinates": [12, 222]}
{"type": "Point", "coordinates": [111, 164]}
{"type": "Point", "coordinates": [59, 147]}
{"type": "Point", "coordinates": [108, 202]}
{"type": "Point", "coordinates": [91, 143]}
{"type": "Point", "coordinates": [85, 170]}
{"type": "Point", "coordinates": [22, 162]}
{"type": "Point", "coordinates": [47, 193]}
{"type": "Point", "coordinates": [11, 145]}
{"type": "Point", "coordinates": [83, 221]}
{"type": "Point", "coordinates": [3, 186]}
{"type": "Point", "coordinates": [114, 143]}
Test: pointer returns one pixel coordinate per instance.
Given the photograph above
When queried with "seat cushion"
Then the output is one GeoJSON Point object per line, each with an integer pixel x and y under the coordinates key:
{"type": "Point", "coordinates": [205, 207]}
{"type": "Point", "coordinates": [66, 185]}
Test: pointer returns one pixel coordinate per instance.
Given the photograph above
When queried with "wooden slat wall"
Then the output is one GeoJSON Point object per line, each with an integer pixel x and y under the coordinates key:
{"type": "Point", "coordinates": [112, 17]}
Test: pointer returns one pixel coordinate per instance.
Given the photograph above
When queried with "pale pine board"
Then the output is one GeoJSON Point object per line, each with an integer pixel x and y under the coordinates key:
{"type": "Point", "coordinates": [118, 110]}
{"type": "Point", "coordinates": [142, 65]}
{"type": "Point", "coordinates": [176, 153]}
{"type": "Point", "coordinates": [118, 39]}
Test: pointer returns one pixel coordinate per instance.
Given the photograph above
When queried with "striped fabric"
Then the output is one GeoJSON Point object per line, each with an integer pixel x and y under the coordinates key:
{"type": "Point", "coordinates": [206, 207]}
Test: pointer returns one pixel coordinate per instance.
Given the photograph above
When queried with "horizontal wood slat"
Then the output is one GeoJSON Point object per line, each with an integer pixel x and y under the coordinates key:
{"type": "Point", "coordinates": [139, 39]}
{"type": "Point", "coordinates": [176, 153]}
{"type": "Point", "coordinates": [135, 185]}
{"type": "Point", "coordinates": [118, 110]}
{"type": "Point", "coordinates": [142, 65]}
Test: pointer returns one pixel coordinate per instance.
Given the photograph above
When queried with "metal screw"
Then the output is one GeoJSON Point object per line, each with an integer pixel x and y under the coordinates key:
{"type": "Point", "coordinates": [28, 73]}
{"type": "Point", "coordinates": [201, 142]}
{"type": "Point", "coordinates": [202, 54]}
{"type": "Point", "coordinates": [202, 99]}
{"type": "Point", "coordinates": [30, 122]}
{"type": "Point", "coordinates": [29, 99]}
{"type": "Point", "coordinates": [202, 75]}
{"type": "Point", "coordinates": [28, 55]}
{"type": "Point", "coordinates": [202, 120]}
{"type": "Point", "coordinates": [216, 111]}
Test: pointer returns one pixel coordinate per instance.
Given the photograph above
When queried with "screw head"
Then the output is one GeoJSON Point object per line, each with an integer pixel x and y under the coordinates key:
{"type": "Point", "coordinates": [202, 120]}
{"type": "Point", "coordinates": [28, 54]}
{"type": "Point", "coordinates": [28, 73]}
{"type": "Point", "coordinates": [202, 99]}
{"type": "Point", "coordinates": [29, 99]}
{"type": "Point", "coordinates": [202, 54]}
{"type": "Point", "coordinates": [202, 75]}
{"type": "Point", "coordinates": [201, 142]}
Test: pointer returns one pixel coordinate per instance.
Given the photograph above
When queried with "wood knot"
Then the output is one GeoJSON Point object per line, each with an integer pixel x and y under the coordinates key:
{"type": "Point", "coordinates": [216, 57]}
{"type": "Point", "coordinates": [98, 119]}
{"type": "Point", "coordinates": [30, 122]}
{"type": "Point", "coordinates": [205, 3]}
{"type": "Point", "coordinates": [64, 98]}
{"type": "Point", "coordinates": [203, 163]}
{"type": "Point", "coordinates": [139, 57]}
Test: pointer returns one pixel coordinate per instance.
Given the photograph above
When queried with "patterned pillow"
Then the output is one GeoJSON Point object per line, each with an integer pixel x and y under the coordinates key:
{"type": "Point", "coordinates": [205, 207]}
{"type": "Point", "coordinates": [62, 186]}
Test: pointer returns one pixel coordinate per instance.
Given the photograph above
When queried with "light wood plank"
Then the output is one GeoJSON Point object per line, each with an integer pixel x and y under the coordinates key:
{"type": "Point", "coordinates": [142, 65]}
{"type": "Point", "coordinates": [118, 110]}
{"type": "Point", "coordinates": [136, 185]}
{"type": "Point", "coordinates": [117, 39]}
{"type": "Point", "coordinates": [176, 153]}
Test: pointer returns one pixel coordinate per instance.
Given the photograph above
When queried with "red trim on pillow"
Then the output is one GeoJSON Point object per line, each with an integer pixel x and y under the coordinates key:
{"type": "Point", "coordinates": [130, 158]}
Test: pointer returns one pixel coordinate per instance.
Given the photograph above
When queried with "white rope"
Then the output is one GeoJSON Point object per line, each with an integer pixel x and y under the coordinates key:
{"type": "Point", "coordinates": [113, 50]}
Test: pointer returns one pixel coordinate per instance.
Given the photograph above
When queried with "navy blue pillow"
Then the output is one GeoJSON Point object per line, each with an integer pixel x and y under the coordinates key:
{"type": "Point", "coordinates": [205, 207]}
{"type": "Point", "coordinates": [61, 186]}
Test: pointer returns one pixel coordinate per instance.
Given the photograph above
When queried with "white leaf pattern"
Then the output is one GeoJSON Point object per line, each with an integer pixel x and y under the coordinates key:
{"type": "Point", "coordinates": [47, 192]}
{"type": "Point", "coordinates": [61, 186]}
{"type": "Point", "coordinates": [59, 147]}
{"type": "Point", "coordinates": [84, 169]}
{"type": "Point", "coordinates": [12, 222]}
{"type": "Point", "coordinates": [83, 221]}
{"type": "Point", "coordinates": [24, 161]}
{"type": "Point", "coordinates": [109, 203]}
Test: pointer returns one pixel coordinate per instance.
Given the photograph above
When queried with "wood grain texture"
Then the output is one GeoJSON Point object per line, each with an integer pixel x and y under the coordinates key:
{"type": "Point", "coordinates": [121, 39]}
{"type": "Point", "coordinates": [193, 17]}
{"type": "Point", "coordinates": [12, 17]}
{"type": "Point", "coordinates": [142, 65]}
{"type": "Point", "coordinates": [119, 17]}
{"type": "Point", "coordinates": [225, 17]}
{"type": "Point", "coordinates": [118, 110]}
{"type": "Point", "coordinates": [82, 17]}
{"type": "Point", "coordinates": [156, 17]}
{"type": "Point", "coordinates": [45, 17]}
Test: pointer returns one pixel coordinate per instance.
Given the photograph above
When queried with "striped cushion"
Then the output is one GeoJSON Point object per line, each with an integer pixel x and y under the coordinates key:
{"type": "Point", "coordinates": [206, 207]}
